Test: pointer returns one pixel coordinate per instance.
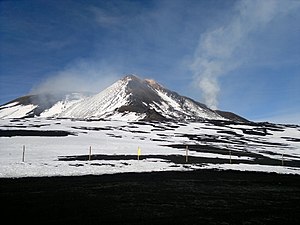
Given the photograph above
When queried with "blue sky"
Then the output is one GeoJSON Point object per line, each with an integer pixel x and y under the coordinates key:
{"type": "Point", "coordinates": [239, 56]}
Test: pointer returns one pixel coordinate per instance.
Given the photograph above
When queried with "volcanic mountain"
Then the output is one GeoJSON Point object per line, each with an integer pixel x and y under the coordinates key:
{"type": "Point", "coordinates": [130, 98]}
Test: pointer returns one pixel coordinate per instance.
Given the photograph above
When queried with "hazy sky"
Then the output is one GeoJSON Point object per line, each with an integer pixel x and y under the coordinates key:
{"type": "Point", "coordinates": [239, 56]}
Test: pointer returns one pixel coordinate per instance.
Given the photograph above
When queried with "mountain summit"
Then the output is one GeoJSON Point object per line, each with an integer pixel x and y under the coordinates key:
{"type": "Point", "coordinates": [130, 98]}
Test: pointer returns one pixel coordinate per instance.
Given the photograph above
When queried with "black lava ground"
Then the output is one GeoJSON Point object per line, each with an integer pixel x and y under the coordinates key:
{"type": "Point", "coordinates": [181, 159]}
{"type": "Point", "coordinates": [39, 133]}
{"type": "Point", "coordinates": [198, 197]}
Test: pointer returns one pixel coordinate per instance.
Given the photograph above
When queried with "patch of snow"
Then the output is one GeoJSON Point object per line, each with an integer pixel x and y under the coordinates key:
{"type": "Point", "coordinates": [95, 167]}
{"type": "Point", "coordinates": [127, 116]}
{"type": "Point", "coordinates": [16, 111]}
{"type": "Point", "coordinates": [101, 104]}
{"type": "Point", "coordinates": [58, 108]}
{"type": "Point", "coordinates": [9, 105]}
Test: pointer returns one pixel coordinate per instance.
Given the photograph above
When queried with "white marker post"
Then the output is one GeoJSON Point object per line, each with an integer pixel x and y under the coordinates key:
{"type": "Point", "coordinates": [90, 153]}
{"type": "Point", "coordinates": [230, 156]}
{"type": "Point", "coordinates": [23, 156]}
{"type": "Point", "coordinates": [186, 154]}
{"type": "Point", "coordinates": [282, 163]}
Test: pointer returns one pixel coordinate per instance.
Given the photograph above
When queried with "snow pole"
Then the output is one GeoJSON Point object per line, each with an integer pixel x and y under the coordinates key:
{"type": "Point", "coordinates": [230, 156]}
{"type": "Point", "coordinates": [23, 155]}
{"type": "Point", "coordinates": [90, 153]}
{"type": "Point", "coordinates": [186, 154]}
{"type": "Point", "coordinates": [138, 153]}
{"type": "Point", "coordinates": [282, 163]}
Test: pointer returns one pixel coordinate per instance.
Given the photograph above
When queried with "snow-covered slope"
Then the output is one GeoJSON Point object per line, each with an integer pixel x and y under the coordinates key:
{"type": "Point", "coordinates": [62, 105]}
{"type": "Point", "coordinates": [15, 110]}
{"type": "Point", "coordinates": [130, 98]}
{"type": "Point", "coordinates": [42, 105]}
{"type": "Point", "coordinates": [100, 105]}
{"type": "Point", "coordinates": [133, 98]}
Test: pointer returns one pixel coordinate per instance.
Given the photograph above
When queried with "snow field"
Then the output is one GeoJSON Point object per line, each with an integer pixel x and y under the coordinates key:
{"type": "Point", "coordinates": [124, 138]}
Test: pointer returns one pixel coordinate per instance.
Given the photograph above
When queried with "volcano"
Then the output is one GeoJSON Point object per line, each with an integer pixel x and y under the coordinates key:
{"type": "Point", "coordinates": [130, 98]}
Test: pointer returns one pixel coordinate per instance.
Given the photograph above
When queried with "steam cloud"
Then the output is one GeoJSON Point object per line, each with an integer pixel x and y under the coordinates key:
{"type": "Point", "coordinates": [82, 76]}
{"type": "Point", "coordinates": [223, 49]}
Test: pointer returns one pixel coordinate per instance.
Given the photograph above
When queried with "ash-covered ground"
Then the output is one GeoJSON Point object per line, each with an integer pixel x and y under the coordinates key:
{"type": "Point", "coordinates": [195, 197]}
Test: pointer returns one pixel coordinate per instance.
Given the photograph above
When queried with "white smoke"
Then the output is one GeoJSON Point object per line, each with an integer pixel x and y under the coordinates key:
{"type": "Point", "coordinates": [80, 76]}
{"type": "Point", "coordinates": [225, 48]}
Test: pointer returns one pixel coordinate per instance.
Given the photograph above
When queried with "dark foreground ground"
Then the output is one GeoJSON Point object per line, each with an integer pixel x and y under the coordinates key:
{"type": "Point", "coordinates": [200, 197]}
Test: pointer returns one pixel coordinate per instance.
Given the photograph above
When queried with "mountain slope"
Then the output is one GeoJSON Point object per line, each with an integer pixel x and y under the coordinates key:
{"type": "Point", "coordinates": [43, 105]}
{"type": "Point", "coordinates": [99, 105]}
{"type": "Point", "coordinates": [134, 98]}
{"type": "Point", "coordinates": [130, 98]}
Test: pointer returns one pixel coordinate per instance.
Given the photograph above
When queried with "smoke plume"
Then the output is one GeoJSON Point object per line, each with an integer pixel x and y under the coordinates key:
{"type": "Point", "coordinates": [224, 48]}
{"type": "Point", "coordinates": [80, 76]}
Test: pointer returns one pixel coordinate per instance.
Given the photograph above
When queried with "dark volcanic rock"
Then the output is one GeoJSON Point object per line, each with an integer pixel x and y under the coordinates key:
{"type": "Point", "coordinates": [232, 116]}
{"type": "Point", "coordinates": [201, 197]}
{"type": "Point", "coordinates": [48, 133]}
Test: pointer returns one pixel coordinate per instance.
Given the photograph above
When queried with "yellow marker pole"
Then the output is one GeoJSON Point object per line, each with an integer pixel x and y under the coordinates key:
{"type": "Point", "coordinates": [139, 153]}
